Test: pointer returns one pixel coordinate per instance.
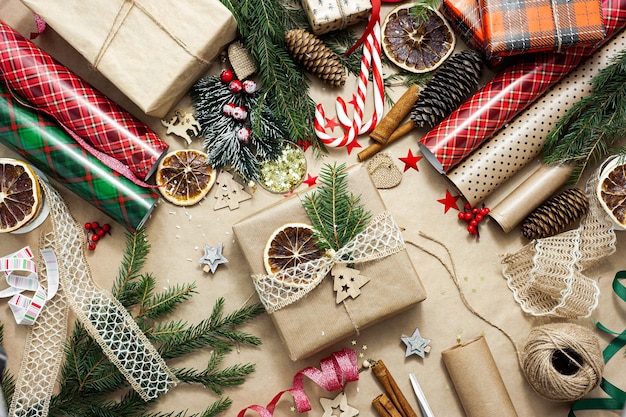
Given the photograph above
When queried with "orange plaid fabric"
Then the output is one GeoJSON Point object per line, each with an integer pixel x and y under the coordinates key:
{"type": "Point", "coordinates": [517, 26]}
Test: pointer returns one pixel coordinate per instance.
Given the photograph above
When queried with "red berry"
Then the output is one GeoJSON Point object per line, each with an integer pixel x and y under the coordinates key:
{"type": "Point", "coordinates": [471, 229]}
{"type": "Point", "coordinates": [95, 225]}
{"type": "Point", "coordinates": [479, 217]}
{"type": "Point", "coordinates": [226, 76]}
{"type": "Point", "coordinates": [473, 223]}
{"type": "Point", "coordinates": [461, 215]}
{"type": "Point", "coordinates": [484, 211]}
{"type": "Point", "coordinates": [468, 206]}
{"type": "Point", "coordinates": [88, 225]}
{"type": "Point", "coordinates": [467, 215]}
{"type": "Point", "coordinates": [475, 210]}
{"type": "Point", "coordinates": [95, 238]}
{"type": "Point", "coordinates": [91, 246]}
{"type": "Point", "coordinates": [235, 86]}
{"type": "Point", "coordinates": [106, 227]}
{"type": "Point", "coordinates": [100, 232]}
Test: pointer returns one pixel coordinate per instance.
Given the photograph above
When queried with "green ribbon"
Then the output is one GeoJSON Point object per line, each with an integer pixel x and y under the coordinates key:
{"type": "Point", "coordinates": [617, 397]}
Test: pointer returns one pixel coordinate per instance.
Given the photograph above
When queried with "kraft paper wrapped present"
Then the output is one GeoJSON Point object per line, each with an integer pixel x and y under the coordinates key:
{"type": "Point", "coordinates": [153, 51]}
{"type": "Point", "coordinates": [316, 321]}
{"type": "Point", "coordinates": [328, 15]}
{"type": "Point", "coordinates": [514, 27]}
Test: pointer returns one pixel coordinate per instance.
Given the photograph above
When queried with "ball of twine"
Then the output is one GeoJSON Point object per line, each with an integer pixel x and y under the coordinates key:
{"type": "Point", "coordinates": [562, 361]}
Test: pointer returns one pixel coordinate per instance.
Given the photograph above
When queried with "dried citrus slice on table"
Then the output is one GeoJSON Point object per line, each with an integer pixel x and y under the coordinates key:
{"type": "Point", "coordinates": [611, 191]}
{"type": "Point", "coordinates": [185, 176]}
{"type": "Point", "coordinates": [289, 246]}
{"type": "Point", "coordinates": [417, 44]}
{"type": "Point", "coordinates": [20, 195]}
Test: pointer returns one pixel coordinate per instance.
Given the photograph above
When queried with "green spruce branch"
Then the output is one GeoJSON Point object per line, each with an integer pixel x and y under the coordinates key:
{"type": "Point", "coordinates": [335, 212]}
{"type": "Point", "coordinates": [90, 385]}
{"type": "Point", "coordinates": [590, 129]}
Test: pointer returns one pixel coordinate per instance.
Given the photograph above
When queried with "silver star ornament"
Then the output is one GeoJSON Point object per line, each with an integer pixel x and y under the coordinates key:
{"type": "Point", "coordinates": [416, 344]}
{"type": "Point", "coordinates": [212, 258]}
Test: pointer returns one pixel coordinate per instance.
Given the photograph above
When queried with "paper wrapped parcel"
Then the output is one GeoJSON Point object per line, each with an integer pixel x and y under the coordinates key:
{"type": "Point", "coordinates": [329, 15]}
{"type": "Point", "coordinates": [316, 321]}
{"type": "Point", "coordinates": [153, 51]}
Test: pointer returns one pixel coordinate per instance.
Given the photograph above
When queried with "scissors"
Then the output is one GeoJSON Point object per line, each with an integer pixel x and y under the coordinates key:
{"type": "Point", "coordinates": [421, 398]}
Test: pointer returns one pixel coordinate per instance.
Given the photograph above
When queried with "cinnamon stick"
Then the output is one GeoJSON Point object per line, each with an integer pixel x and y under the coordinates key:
{"type": "Point", "coordinates": [375, 147]}
{"type": "Point", "coordinates": [396, 115]}
{"type": "Point", "coordinates": [392, 390]}
{"type": "Point", "coordinates": [385, 407]}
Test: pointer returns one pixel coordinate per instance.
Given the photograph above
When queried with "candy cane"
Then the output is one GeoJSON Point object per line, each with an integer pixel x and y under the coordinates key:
{"type": "Point", "coordinates": [371, 59]}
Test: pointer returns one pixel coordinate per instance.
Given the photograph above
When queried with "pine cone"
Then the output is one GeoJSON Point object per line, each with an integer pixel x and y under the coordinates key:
{"type": "Point", "coordinates": [316, 57]}
{"type": "Point", "coordinates": [453, 82]}
{"type": "Point", "coordinates": [555, 215]}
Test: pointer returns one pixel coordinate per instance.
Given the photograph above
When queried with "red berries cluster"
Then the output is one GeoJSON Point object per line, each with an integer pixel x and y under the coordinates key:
{"type": "Point", "coordinates": [97, 233]}
{"type": "Point", "coordinates": [473, 216]}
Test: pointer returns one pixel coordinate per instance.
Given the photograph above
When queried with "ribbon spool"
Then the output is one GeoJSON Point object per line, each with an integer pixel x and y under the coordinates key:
{"type": "Point", "coordinates": [562, 361]}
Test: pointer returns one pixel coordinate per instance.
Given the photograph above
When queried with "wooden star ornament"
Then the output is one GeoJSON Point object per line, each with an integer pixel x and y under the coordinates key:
{"type": "Point", "coordinates": [338, 407]}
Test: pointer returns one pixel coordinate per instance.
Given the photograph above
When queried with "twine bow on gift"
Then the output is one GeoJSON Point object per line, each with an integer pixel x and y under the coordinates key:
{"type": "Point", "coordinates": [380, 239]}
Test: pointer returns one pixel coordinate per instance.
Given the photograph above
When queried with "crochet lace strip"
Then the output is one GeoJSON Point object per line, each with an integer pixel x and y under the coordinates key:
{"type": "Point", "coordinates": [106, 320]}
{"type": "Point", "coordinates": [380, 239]}
{"type": "Point", "coordinates": [546, 275]}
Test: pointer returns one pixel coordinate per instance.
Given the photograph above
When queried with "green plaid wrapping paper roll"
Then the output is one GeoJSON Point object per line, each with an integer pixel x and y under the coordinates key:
{"type": "Point", "coordinates": [49, 148]}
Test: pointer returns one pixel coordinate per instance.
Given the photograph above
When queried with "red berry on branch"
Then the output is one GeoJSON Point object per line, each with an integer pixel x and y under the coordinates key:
{"type": "Point", "coordinates": [95, 238]}
{"type": "Point", "coordinates": [88, 225]}
{"type": "Point", "coordinates": [106, 227]}
{"type": "Point", "coordinates": [249, 86]}
{"type": "Point", "coordinates": [473, 223]}
{"type": "Point", "coordinates": [484, 211]}
{"type": "Point", "coordinates": [471, 229]}
{"type": "Point", "coordinates": [100, 232]}
{"type": "Point", "coordinates": [479, 217]}
{"type": "Point", "coordinates": [91, 246]}
{"type": "Point", "coordinates": [235, 86]}
{"type": "Point", "coordinates": [468, 216]}
{"type": "Point", "coordinates": [461, 215]}
{"type": "Point", "coordinates": [95, 225]}
{"type": "Point", "coordinates": [475, 210]}
{"type": "Point", "coordinates": [468, 206]}
{"type": "Point", "coordinates": [226, 76]}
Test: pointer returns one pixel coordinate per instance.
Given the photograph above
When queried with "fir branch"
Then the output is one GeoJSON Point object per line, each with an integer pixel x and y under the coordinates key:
{"type": "Point", "coordinates": [336, 214]}
{"type": "Point", "coordinates": [134, 258]}
{"type": "Point", "coordinates": [420, 9]}
{"type": "Point", "coordinates": [153, 307]}
{"type": "Point", "coordinates": [590, 128]}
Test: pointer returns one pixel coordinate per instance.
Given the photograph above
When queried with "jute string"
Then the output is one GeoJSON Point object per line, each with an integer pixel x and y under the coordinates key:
{"type": "Point", "coordinates": [122, 14]}
{"type": "Point", "coordinates": [571, 342]}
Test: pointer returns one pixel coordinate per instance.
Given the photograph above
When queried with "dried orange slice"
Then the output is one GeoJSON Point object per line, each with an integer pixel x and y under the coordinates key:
{"type": "Point", "coordinates": [289, 246]}
{"type": "Point", "coordinates": [20, 195]}
{"type": "Point", "coordinates": [611, 191]}
{"type": "Point", "coordinates": [417, 44]}
{"type": "Point", "coordinates": [185, 176]}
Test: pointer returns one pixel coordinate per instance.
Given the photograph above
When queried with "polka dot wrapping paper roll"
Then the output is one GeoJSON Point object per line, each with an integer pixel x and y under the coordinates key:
{"type": "Point", "coordinates": [506, 95]}
{"type": "Point", "coordinates": [522, 140]}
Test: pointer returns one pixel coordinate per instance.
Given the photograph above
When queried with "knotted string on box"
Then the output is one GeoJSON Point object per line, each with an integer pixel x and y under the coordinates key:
{"type": "Point", "coordinates": [546, 276]}
{"type": "Point", "coordinates": [381, 238]}
{"type": "Point", "coordinates": [105, 319]}
{"type": "Point", "coordinates": [122, 13]}
{"type": "Point", "coordinates": [336, 370]}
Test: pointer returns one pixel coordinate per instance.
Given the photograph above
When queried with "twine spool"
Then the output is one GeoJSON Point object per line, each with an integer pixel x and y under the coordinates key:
{"type": "Point", "coordinates": [562, 361]}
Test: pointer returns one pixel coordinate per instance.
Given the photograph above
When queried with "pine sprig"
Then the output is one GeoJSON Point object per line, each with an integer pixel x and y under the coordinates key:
{"type": "Point", "coordinates": [336, 213]}
{"type": "Point", "coordinates": [90, 385]}
{"type": "Point", "coordinates": [263, 24]}
{"type": "Point", "coordinates": [589, 130]}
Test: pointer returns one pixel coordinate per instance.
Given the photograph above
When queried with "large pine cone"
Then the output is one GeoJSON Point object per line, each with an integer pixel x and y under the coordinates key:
{"type": "Point", "coordinates": [555, 215]}
{"type": "Point", "coordinates": [453, 82]}
{"type": "Point", "coordinates": [316, 57]}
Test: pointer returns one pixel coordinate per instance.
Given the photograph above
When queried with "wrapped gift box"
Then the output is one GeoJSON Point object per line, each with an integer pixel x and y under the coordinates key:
{"type": "Point", "coordinates": [328, 15]}
{"type": "Point", "coordinates": [152, 51]}
{"type": "Point", "coordinates": [519, 26]}
{"type": "Point", "coordinates": [464, 17]}
{"type": "Point", "coordinates": [316, 321]}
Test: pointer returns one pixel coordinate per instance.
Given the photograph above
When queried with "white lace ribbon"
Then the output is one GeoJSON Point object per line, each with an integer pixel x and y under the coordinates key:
{"type": "Point", "coordinates": [380, 239]}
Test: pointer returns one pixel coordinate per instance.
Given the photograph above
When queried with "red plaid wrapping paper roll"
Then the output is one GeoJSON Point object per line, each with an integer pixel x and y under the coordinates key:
{"type": "Point", "coordinates": [50, 87]}
{"type": "Point", "coordinates": [517, 26]}
{"type": "Point", "coordinates": [507, 94]}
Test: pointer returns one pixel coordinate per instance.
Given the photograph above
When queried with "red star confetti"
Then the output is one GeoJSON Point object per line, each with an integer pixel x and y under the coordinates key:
{"type": "Point", "coordinates": [410, 161]}
{"type": "Point", "coordinates": [449, 201]}
{"type": "Point", "coordinates": [310, 180]}
{"type": "Point", "coordinates": [304, 144]}
{"type": "Point", "coordinates": [350, 146]}
{"type": "Point", "coordinates": [331, 124]}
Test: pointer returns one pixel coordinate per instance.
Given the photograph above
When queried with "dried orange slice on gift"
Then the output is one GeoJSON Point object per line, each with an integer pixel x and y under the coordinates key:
{"type": "Point", "coordinates": [611, 191]}
{"type": "Point", "coordinates": [20, 195]}
{"type": "Point", "coordinates": [185, 176]}
{"type": "Point", "coordinates": [289, 246]}
{"type": "Point", "coordinates": [417, 44]}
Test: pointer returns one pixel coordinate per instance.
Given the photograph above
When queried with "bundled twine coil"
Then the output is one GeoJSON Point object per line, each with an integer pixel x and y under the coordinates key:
{"type": "Point", "coordinates": [562, 361]}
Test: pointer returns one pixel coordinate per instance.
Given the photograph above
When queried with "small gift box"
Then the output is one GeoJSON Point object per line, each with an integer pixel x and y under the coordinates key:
{"type": "Point", "coordinates": [328, 15]}
{"type": "Point", "coordinates": [153, 51]}
{"type": "Point", "coordinates": [305, 312]}
{"type": "Point", "coordinates": [519, 26]}
{"type": "Point", "coordinates": [464, 17]}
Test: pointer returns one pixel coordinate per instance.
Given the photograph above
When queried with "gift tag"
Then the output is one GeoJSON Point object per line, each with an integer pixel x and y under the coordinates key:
{"type": "Point", "coordinates": [383, 171]}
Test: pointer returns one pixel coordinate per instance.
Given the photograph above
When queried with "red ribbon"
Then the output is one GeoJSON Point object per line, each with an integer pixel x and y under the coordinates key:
{"type": "Point", "coordinates": [336, 370]}
{"type": "Point", "coordinates": [374, 17]}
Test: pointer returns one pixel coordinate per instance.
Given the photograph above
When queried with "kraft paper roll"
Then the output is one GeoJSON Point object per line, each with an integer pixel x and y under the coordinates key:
{"type": "Point", "coordinates": [477, 380]}
{"type": "Point", "coordinates": [515, 145]}
{"type": "Point", "coordinates": [529, 195]}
